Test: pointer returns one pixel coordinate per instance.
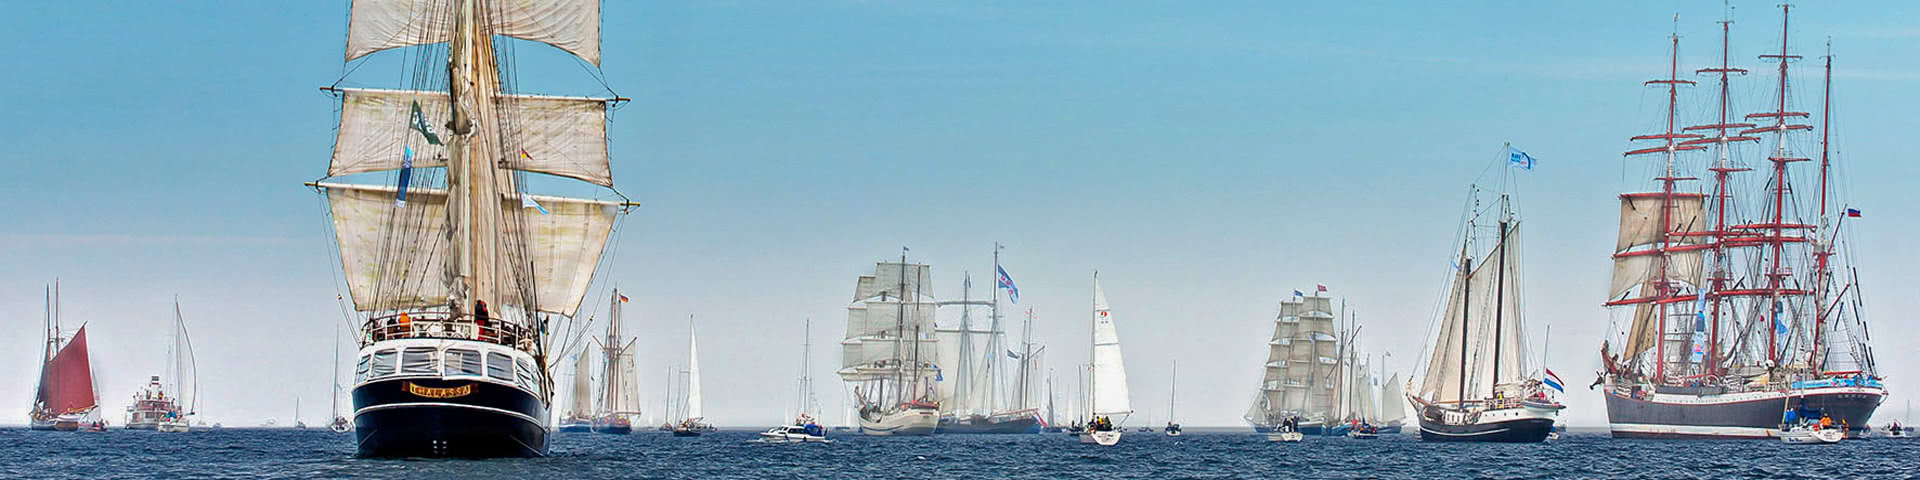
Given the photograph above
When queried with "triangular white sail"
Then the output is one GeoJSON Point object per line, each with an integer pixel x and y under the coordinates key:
{"type": "Point", "coordinates": [1392, 401]}
{"type": "Point", "coordinates": [1110, 395]}
{"type": "Point", "coordinates": [185, 370]}
{"type": "Point", "coordinates": [693, 373]}
{"type": "Point", "coordinates": [571, 25]}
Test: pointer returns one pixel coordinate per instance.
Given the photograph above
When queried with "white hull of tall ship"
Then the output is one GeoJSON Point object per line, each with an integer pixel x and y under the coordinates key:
{"type": "Point", "coordinates": [1805, 436]}
{"type": "Point", "coordinates": [910, 421]}
{"type": "Point", "coordinates": [1105, 438]}
{"type": "Point", "coordinates": [1286, 437]}
{"type": "Point", "coordinates": [444, 397]}
{"type": "Point", "coordinates": [1527, 423]}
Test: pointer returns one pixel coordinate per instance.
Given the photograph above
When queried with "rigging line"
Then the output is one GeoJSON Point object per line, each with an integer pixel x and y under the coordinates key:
{"type": "Point", "coordinates": [329, 237]}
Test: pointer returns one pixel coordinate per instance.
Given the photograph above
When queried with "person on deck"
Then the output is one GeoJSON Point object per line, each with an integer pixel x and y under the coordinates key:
{"type": "Point", "coordinates": [480, 317]}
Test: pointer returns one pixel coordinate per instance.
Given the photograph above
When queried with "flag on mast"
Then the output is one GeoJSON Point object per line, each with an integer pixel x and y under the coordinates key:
{"type": "Point", "coordinates": [1006, 282]}
{"type": "Point", "coordinates": [1519, 159]}
{"type": "Point", "coordinates": [406, 173]}
{"type": "Point", "coordinates": [419, 124]}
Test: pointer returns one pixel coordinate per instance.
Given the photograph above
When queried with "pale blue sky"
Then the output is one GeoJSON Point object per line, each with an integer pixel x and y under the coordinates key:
{"type": "Point", "coordinates": [1207, 158]}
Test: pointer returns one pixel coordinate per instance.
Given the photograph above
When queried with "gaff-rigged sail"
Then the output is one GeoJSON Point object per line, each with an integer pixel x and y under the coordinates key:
{"type": "Point", "coordinates": [1475, 303]}
{"type": "Point", "coordinates": [66, 384]}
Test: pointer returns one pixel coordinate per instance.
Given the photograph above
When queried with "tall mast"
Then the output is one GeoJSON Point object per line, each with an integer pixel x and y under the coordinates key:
{"type": "Point", "coordinates": [900, 333]}
{"type": "Point", "coordinates": [474, 183]}
{"type": "Point", "coordinates": [1822, 248]}
{"type": "Point", "coordinates": [1499, 295]}
{"type": "Point", "coordinates": [1722, 139]}
{"type": "Point", "coordinates": [1466, 294]}
{"type": "Point", "coordinates": [1026, 354]}
{"type": "Point", "coordinates": [1093, 327]}
{"type": "Point", "coordinates": [993, 339]}
{"type": "Point", "coordinates": [1671, 144]}
{"type": "Point", "coordinates": [1173, 387]}
{"type": "Point", "coordinates": [1776, 272]}
{"type": "Point", "coordinates": [806, 366]}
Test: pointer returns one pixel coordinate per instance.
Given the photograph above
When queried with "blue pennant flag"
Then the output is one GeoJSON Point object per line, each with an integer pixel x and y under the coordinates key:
{"type": "Point", "coordinates": [1298, 294]}
{"type": "Point", "coordinates": [1779, 325]}
{"type": "Point", "coordinates": [406, 173]}
{"type": "Point", "coordinates": [1519, 158]}
{"type": "Point", "coordinates": [1006, 282]}
{"type": "Point", "coordinates": [1015, 356]}
{"type": "Point", "coordinates": [526, 201]}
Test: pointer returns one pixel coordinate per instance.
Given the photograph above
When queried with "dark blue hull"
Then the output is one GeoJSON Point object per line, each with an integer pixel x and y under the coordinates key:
{"type": "Point", "coordinates": [1530, 430]}
{"type": "Point", "coordinates": [430, 417]}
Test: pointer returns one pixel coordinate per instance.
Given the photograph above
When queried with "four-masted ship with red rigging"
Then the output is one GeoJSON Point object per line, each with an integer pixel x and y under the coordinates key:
{"type": "Point", "coordinates": [1734, 304]}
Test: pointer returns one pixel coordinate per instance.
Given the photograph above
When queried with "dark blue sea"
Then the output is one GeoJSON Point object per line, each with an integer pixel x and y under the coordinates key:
{"type": "Point", "coordinates": [303, 454]}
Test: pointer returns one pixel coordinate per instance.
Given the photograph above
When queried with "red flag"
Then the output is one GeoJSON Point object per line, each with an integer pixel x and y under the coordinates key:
{"type": "Point", "coordinates": [623, 299]}
{"type": "Point", "coordinates": [1323, 288]}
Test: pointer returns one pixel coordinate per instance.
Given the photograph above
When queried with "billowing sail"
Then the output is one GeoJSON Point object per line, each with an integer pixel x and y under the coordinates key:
{"type": "Point", "coordinates": [1475, 305]}
{"type": "Point", "coordinates": [693, 374]}
{"type": "Point", "coordinates": [407, 270]}
{"type": "Point", "coordinates": [571, 25]}
{"type": "Point", "coordinates": [563, 136]}
{"type": "Point", "coordinates": [66, 383]}
{"type": "Point", "coordinates": [1109, 370]}
{"type": "Point", "coordinates": [1392, 401]}
{"type": "Point", "coordinates": [185, 370]}
{"type": "Point", "coordinates": [1300, 356]}
{"type": "Point", "coordinates": [882, 324]}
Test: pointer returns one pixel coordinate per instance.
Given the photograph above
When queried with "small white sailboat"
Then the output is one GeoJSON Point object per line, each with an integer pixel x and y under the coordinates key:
{"type": "Point", "coordinates": [339, 424]}
{"type": "Point", "coordinates": [1109, 375]}
{"type": "Point", "coordinates": [804, 428]}
{"type": "Point", "coordinates": [694, 424]}
{"type": "Point", "coordinates": [1808, 435]}
{"type": "Point", "coordinates": [1173, 387]}
{"type": "Point", "coordinates": [297, 423]}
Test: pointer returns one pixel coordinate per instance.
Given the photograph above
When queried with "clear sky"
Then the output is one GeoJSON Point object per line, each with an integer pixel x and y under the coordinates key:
{"type": "Point", "coordinates": [1208, 158]}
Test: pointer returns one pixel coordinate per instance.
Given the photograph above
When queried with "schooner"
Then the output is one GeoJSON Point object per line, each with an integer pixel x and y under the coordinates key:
{"type": "Point", "coordinates": [1475, 385]}
{"type": "Point", "coordinates": [889, 349]}
{"type": "Point", "coordinates": [458, 273]}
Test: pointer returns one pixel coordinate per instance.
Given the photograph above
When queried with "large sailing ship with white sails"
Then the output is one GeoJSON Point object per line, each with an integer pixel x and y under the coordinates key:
{"type": "Point", "coordinates": [1300, 380]}
{"type": "Point", "coordinates": [1475, 385]}
{"type": "Point", "coordinates": [460, 275]}
{"type": "Point", "coordinates": [65, 399]}
{"type": "Point", "coordinates": [1733, 303]}
{"type": "Point", "coordinates": [889, 349]}
{"type": "Point", "coordinates": [619, 392]}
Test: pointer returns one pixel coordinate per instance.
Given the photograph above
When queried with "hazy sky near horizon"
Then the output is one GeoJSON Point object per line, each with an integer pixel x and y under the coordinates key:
{"type": "Point", "coordinates": [1207, 159]}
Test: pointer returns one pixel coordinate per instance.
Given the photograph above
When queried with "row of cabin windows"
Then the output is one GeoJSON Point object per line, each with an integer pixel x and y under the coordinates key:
{"type": "Point", "coordinates": [458, 362]}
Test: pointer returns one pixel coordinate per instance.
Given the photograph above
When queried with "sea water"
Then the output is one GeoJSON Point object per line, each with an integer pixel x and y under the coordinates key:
{"type": "Point", "coordinates": [317, 453]}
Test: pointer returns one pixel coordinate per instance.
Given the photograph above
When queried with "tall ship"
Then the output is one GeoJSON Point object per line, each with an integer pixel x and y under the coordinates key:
{"type": "Point", "coordinates": [1475, 385]}
{"type": "Point", "coordinates": [165, 406]}
{"type": "Point", "coordinates": [1300, 380]}
{"type": "Point", "coordinates": [972, 387]}
{"type": "Point", "coordinates": [888, 353]}
{"type": "Point", "coordinates": [65, 399]}
{"type": "Point", "coordinates": [1733, 303]}
{"type": "Point", "coordinates": [457, 270]}
{"type": "Point", "coordinates": [619, 392]}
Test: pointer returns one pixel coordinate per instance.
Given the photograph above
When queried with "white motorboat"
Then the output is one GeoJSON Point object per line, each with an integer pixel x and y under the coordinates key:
{"type": "Point", "coordinates": [1806, 435]}
{"type": "Point", "coordinates": [1287, 437]}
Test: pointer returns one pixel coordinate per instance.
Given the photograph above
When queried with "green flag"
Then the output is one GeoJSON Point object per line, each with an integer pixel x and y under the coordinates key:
{"type": "Point", "coordinates": [420, 123]}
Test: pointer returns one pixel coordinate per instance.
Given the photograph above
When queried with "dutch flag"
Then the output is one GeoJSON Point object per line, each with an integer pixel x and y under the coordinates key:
{"type": "Point", "coordinates": [1553, 380]}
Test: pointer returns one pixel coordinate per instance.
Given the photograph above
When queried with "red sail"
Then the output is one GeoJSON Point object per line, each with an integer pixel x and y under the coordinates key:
{"type": "Point", "coordinates": [66, 384]}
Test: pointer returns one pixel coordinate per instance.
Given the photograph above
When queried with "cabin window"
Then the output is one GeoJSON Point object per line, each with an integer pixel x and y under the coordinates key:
{"type": "Point", "coordinates": [523, 374]}
{"type": "Point", "coordinates": [462, 361]}
{"type": "Point", "coordinates": [418, 361]}
{"type": "Point", "coordinates": [383, 363]}
{"type": "Point", "coordinates": [500, 366]}
{"type": "Point", "coordinates": [360, 371]}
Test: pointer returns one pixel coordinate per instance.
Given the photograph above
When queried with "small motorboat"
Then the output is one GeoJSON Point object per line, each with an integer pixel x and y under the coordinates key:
{"type": "Point", "coordinates": [1173, 429]}
{"type": "Point", "coordinates": [340, 425]}
{"type": "Point", "coordinates": [1895, 432]}
{"type": "Point", "coordinates": [1287, 437]}
{"type": "Point", "coordinates": [803, 430]}
{"type": "Point", "coordinates": [1364, 432]}
{"type": "Point", "coordinates": [1145, 430]}
{"type": "Point", "coordinates": [1811, 435]}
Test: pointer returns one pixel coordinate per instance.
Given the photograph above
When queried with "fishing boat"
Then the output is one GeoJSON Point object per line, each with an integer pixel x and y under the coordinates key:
{"type": "Point", "coordinates": [619, 393]}
{"type": "Point", "coordinates": [887, 354]}
{"type": "Point", "coordinates": [65, 398]}
{"type": "Point", "coordinates": [1476, 386]}
{"type": "Point", "coordinates": [153, 407]}
{"type": "Point", "coordinates": [1109, 379]}
{"type": "Point", "coordinates": [1173, 388]}
{"type": "Point", "coordinates": [970, 388]}
{"type": "Point", "coordinates": [695, 423]}
{"type": "Point", "coordinates": [1299, 385]}
{"type": "Point", "coordinates": [460, 275]}
{"type": "Point", "coordinates": [1723, 313]}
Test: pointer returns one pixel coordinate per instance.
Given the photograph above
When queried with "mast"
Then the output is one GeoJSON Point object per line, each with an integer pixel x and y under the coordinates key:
{"type": "Point", "coordinates": [806, 366]}
{"type": "Point", "coordinates": [1722, 169]}
{"type": "Point", "coordinates": [1822, 250]}
{"type": "Point", "coordinates": [1466, 293]}
{"type": "Point", "coordinates": [1026, 355]}
{"type": "Point", "coordinates": [1173, 388]}
{"type": "Point", "coordinates": [1093, 327]}
{"type": "Point", "coordinates": [900, 333]}
{"type": "Point", "coordinates": [1779, 237]}
{"type": "Point", "coordinates": [1661, 245]}
{"type": "Point", "coordinates": [993, 339]}
{"type": "Point", "coordinates": [1499, 295]}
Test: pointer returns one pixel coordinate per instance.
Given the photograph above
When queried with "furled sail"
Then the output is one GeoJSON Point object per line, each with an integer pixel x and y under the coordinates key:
{"type": "Point", "coordinates": [571, 25]}
{"type": "Point", "coordinates": [563, 136]}
{"type": "Point", "coordinates": [1481, 298]}
{"type": "Point", "coordinates": [1109, 370]}
{"type": "Point", "coordinates": [386, 272]}
{"type": "Point", "coordinates": [66, 383]}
